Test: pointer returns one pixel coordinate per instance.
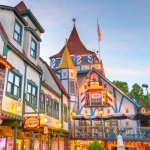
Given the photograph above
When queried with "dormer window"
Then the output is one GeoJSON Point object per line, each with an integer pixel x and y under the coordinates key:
{"type": "Point", "coordinates": [17, 32]}
{"type": "Point", "coordinates": [33, 49]}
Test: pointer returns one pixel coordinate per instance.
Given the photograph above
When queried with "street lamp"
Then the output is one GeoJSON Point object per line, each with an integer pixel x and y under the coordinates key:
{"type": "Point", "coordinates": [146, 86]}
{"type": "Point", "coordinates": [73, 113]}
{"type": "Point", "coordinates": [101, 112]}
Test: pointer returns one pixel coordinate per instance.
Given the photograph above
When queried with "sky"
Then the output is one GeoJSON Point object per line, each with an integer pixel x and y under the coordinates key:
{"type": "Point", "coordinates": [124, 24]}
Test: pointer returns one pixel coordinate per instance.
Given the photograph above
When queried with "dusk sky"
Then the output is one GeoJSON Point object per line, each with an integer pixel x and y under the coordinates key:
{"type": "Point", "coordinates": [125, 27]}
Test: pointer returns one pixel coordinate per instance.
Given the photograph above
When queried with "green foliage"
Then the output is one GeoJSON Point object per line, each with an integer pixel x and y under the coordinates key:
{"type": "Point", "coordinates": [95, 146]}
{"type": "Point", "coordinates": [122, 86]}
{"type": "Point", "coordinates": [136, 92]}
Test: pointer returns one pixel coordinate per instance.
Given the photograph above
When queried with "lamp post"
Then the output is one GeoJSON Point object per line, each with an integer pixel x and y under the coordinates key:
{"type": "Point", "coordinates": [59, 127]}
{"type": "Point", "coordinates": [101, 112]}
{"type": "Point", "coordinates": [145, 86]}
{"type": "Point", "coordinates": [73, 114]}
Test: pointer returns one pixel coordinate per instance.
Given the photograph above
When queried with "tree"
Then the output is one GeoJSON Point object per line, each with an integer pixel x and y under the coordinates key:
{"type": "Point", "coordinates": [122, 86]}
{"type": "Point", "coordinates": [95, 146]}
{"type": "Point", "coordinates": [136, 93]}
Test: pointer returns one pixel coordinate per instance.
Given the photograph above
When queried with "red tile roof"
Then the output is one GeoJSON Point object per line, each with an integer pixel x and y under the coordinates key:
{"type": "Point", "coordinates": [21, 6]}
{"type": "Point", "coordinates": [75, 46]}
{"type": "Point", "coordinates": [56, 78]}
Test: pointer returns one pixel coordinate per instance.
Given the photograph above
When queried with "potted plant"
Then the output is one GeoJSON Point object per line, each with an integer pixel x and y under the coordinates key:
{"type": "Point", "coordinates": [95, 146]}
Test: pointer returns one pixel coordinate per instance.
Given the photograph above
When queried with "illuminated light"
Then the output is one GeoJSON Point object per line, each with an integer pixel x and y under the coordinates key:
{"type": "Point", "coordinates": [18, 108]}
{"type": "Point", "coordinates": [60, 125]}
{"type": "Point", "coordinates": [45, 120]}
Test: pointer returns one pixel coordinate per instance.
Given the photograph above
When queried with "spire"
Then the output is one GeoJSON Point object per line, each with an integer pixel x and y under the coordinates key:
{"type": "Point", "coordinates": [21, 6]}
{"type": "Point", "coordinates": [74, 44]}
{"type": "Point", "coordinates": [66, 61]}
{"type": "Point", "coordinates": [74, 21]}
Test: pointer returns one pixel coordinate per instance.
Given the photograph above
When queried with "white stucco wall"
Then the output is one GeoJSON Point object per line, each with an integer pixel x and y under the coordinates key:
{"type": "Point", "coordinates": [1, 44]}
{"type": "Point", "coordinates": [18, 64]}
{"type": "Point", "coordinates": [51, 121]}
{"type": "Point", "coordinates": [7, 19]}
{"type": "Point", "coordinates": [34, 76]}
{"type": "Point", "coordinates": [65, 124]}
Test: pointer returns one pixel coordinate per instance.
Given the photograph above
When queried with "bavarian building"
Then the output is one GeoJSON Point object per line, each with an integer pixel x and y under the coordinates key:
{"type": "Point", "coordinates": [64, 105]}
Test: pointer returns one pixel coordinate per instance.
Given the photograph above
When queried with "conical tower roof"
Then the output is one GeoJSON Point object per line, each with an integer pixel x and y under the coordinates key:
{"type": "Point", "coordinates": [66, 61]}
{"type": "Point", "coordinates": [74, 44]}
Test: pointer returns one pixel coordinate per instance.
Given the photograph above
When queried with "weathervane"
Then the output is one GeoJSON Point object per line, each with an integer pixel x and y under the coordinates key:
{"type": "Point", "coordinates": [74, 20]}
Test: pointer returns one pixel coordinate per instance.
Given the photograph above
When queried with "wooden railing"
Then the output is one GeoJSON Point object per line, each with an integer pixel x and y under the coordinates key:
{"type": "Point", "coordinates": [109, 133]}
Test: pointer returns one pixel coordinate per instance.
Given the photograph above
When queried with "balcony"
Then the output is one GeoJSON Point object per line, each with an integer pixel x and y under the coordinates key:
{"type": "Point", "coordinates": [110, 134]}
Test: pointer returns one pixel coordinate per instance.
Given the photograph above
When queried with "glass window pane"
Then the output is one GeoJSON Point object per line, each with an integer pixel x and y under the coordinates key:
{"type": "Point", "coordinates": [33, 90]}
{"type": "Point", "coordinates": [16, 91]}
{"type": "Point", "coordinates": [10, 77]}
{"type": "Point", "coordinates": [17, 28]}
{"type": "Point", "coordinates": [29, 88]}
{"type": "Point", "coordinates": [17, 80]}
{"type": "Point", "coordinates": [33, 45]}
{"type": "Point", "coordinates": [32, 52]}
{"type": "Point", "coordinates": [28, 97]}
{"type": "Point", "coordinates": [9, 86]}
{"type": "Point", "coordinates": [16, 36]}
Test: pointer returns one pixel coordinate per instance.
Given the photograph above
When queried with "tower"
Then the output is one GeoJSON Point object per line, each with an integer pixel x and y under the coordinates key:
{"type": "Point", "coordinates": [68, 76]}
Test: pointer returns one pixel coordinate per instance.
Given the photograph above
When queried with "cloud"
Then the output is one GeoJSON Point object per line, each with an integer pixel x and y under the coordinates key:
{"type": "Point", "coordinates": [143, 72]}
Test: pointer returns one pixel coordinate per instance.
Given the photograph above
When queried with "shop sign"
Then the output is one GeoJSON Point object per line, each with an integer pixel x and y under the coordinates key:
{"type": "Point", "coordinates": [45, 130]}
{"type": "Point", "coordinates": [32, 122]}
{"type": "Point", "coordinates": [94, 84]}
{"type": "Point", "coordinates": [96, 95]}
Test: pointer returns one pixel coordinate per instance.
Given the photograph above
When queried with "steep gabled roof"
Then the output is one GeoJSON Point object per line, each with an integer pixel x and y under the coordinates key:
{"type": "Point", "coordinates": [58, 82]}
{"type": "Point", "coordinates": [66, 61]}
{"type": "Point", "coordinates": [22, 8]}
{"type": "Point", "coordinates": [21, 54]}
{"type": "Point", "coordinates": [108, 81]}
{"type": "Point", "coordinates": [75, 46]}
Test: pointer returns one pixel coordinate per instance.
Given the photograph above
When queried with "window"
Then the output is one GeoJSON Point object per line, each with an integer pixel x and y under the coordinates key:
{"type": "Point", "coordinates": [32, 94]}
{"type": "Point", "coordinates": [56, 109]}
{"type": "Point", "coordinates": [33, 49]}
{"type": "Point", "coordinates": [84, 60]}
{"type": "Point", "coordinates": [64, 74]}
{"type": "Point", "coordinates": [42, 102]}
{"type": "Point", "coordinates": [127, 124]}
{"type": "Point", "coordinates": [127, 110]}
{"type": "Point", "coordinates": [72, 87]}
{"type": "Point", "coordinates": [71, 74]}
{"type": "Point", "coordinates": [65, 113]}
{"type": "Point", "coordinates": [108, 111]}
{"type": "Point", "coordinates": [14, 84]}
{"type": "Point", "coordinates": [17, 32]}
{"type": "Point", "coordinates": [49, 103]}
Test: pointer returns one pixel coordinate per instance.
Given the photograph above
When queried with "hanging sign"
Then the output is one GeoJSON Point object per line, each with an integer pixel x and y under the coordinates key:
{"type": "Point", "coordinates": [32, 122]}
{"type": "Point", "coordinates": [96, 95]}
